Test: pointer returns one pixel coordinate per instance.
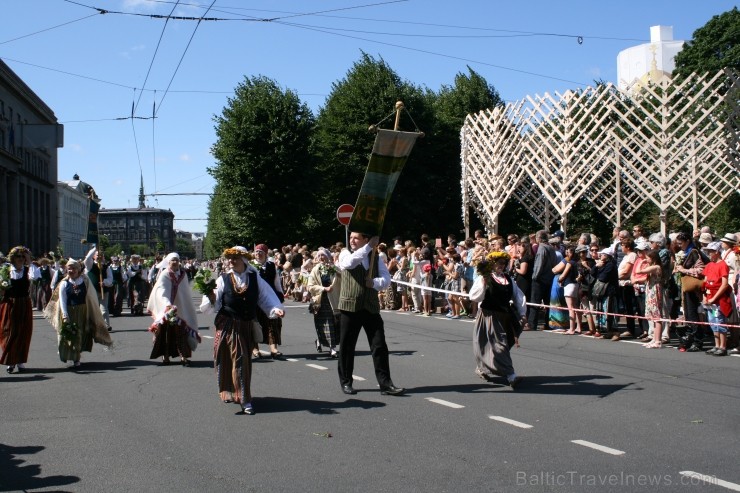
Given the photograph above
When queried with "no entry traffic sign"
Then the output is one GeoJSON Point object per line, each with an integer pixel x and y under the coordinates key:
{"type": "Point", "coordinates": [344, 213]}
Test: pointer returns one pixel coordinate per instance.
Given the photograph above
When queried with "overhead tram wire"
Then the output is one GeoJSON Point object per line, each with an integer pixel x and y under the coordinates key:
{"type": "Point", "coordinates": [47, 29]}
{"type": "Point", "coordinates": [419, 50]}
{"type": "Point", "coordinates": [154, 56]}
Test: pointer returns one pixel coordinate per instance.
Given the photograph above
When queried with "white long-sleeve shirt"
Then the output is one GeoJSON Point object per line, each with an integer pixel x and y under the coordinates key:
{"type": "Point", "coordinates": [267, 300]}
{"type": "Point", "coordinates": [349, 260]}
{"type": "Point", "coordinates": [89, 262]}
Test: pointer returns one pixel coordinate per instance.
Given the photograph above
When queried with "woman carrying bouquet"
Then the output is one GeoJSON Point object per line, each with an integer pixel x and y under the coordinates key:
{"type": "Point", "coordinates": [74, 312]}
{"type": "Point", "coordinates": [171, 306]}
{"type": "Point", "coordinates": [16, 318]}
{"type": "Point", "coordinates": [238, 294]}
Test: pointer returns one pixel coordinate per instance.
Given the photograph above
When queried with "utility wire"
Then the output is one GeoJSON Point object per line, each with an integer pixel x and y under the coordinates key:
{"type": "Point", "coordinates": [156, 50]}
{"type": "Point", "coordinates": [453, 57]}
{"type": "Point", "coordinates": [47, 29]}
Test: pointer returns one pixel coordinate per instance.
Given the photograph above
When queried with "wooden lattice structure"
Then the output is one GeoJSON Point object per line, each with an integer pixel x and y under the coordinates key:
{"type": "Point", "coordinates": [673, 143]}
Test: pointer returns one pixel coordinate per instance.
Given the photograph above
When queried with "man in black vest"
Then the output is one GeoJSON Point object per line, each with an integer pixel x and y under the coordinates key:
{"type": "Point", "coordinates": [359, 307]}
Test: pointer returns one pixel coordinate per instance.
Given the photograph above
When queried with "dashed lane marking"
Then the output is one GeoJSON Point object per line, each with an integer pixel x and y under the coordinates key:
{"type": "Point", "coordinates": [318, 367]}
{"type": "Point", "coordinates": [359, 379]}
{"type": "Point", "coordinates": [598, 447]}
{"type": "Point", "coordinates": [445, 403]}
{"type": "Point", "coordinates": [518, 424]}
{"type": "Point", "coordinates": [293, 360]}
{"type": "Point", "coordinates": [704, 479]}
{"type": "Point", "coordinates": [207, 337]}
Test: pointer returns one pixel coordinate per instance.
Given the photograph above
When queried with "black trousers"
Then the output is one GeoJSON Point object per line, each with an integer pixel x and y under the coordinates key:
{"type": "Point", "coordinates": [541, 296]}
{"type": "Point", "coordinates": [350, 324]}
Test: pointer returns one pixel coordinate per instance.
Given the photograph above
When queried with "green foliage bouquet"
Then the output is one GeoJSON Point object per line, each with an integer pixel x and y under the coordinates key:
{"type": "Point", "coordinates": [204, 282]}
{"type": "Point", "coordinates": [4, 279]}
{"type": "Point", "coordinates": [69, 332]}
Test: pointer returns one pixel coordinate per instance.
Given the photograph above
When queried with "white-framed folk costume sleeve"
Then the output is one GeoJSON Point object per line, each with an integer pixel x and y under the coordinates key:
{"type": "Point", "coordinates": [206, 306]}
{"type": "Point", "coordinates": [478, 291]}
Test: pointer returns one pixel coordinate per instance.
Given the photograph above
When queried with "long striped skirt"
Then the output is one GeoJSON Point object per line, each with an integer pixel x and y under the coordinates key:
{"type": "Point", "coordinates": [169, 341]}
{"type": "Point", "coordinates": [326, 324]}
{"type": "Point", "coordinates": [16, 329]}
{"type": "Point", "coordinates": [232, 358]}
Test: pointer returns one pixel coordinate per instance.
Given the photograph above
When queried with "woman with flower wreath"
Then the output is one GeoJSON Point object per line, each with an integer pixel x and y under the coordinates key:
{"type": "Point", "coordinates": [171, 306]}
{"type": "Point", "coordinates": [501, 315]}
{"type": "Point", "coordinates": [16, 317]}
{"type": "Point", "coordinates": [272, 328]}
{"type": "Point", "coordinates": [238, 294]}
{"type": "Point", "coordinates": [74, 312]}
{"type": "Point", "coordinates": [324, 285]}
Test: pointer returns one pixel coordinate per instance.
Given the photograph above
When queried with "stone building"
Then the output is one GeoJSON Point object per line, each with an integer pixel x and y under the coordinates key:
{"type": "Point", "coordinates": [29, 138]}
{"type": "Point", "coordinates": [142, 227]}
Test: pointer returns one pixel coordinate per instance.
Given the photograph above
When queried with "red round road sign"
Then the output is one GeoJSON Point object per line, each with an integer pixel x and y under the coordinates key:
{"type": "Point", "coordinates": [344, 213]}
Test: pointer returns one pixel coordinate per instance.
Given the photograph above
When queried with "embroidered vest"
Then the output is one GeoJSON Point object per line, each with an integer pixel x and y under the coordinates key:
{"type": "Point", "coordinates": [354, 296]}
{"type": "Point", "coordinates": [76, 294]}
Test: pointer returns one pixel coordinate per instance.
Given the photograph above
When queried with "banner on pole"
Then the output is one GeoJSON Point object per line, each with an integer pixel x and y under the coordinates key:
{"type": "Point", "coordinates": [92, 223]}
{"type": "Point", "coordinates": [390, 152]}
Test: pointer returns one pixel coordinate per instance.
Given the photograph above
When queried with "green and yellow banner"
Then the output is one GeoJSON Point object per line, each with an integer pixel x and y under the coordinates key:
{"type": "Point", "coordinates": [390, 152]}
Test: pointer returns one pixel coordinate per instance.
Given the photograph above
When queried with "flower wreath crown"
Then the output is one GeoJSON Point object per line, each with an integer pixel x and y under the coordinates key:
{"type": "Point", "coordinates": [235, 252]}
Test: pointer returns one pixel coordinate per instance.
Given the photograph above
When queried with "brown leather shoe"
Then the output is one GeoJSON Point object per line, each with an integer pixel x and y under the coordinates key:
{"type": "Point", "coordinates": [615, 336]}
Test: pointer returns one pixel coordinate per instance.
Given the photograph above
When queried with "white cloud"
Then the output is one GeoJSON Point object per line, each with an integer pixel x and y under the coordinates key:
{"type": "Point", "coordinates": [184, 157]}
{"type": "Point", "coordinates": [118, 182]}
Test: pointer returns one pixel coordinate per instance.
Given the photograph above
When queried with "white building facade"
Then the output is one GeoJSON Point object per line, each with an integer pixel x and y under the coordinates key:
{"type": "Point", "coordinates": [74, 209]}
{"type": "Point", "coordinates": [648, 61]}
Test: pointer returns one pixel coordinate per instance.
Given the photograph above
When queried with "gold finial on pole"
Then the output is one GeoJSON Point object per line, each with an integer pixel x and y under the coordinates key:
{"type": "Point", "coordinates": [399, 107]}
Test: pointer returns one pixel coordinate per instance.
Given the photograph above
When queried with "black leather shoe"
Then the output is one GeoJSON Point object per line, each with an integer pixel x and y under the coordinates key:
{"type": "Point", "coordinates": [694, 348]}
{"type": "Point", "coordinates": [347, 389]}
{"type": "Point", "coordinates": [391, 390]}
{"type": "Point", "coordinates": [514, 383]}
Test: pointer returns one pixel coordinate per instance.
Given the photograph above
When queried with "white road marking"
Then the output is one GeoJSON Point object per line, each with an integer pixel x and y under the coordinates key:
{"type": "Point", "coordinates": [598, 447]}
{"type": "Point", "coordinates": [291, 360]}
{"type": "Point", "coordinates": [359, 379]}
{"type": "Point", "coordinates": [711, 480]}
{"type": "Point", "coordinates": [206, 337]}
{"type": "Point", "coordinates": [445, 403]}
{"type": "Point", "coordinates": [510, 421]}
{"type": "Point", "coordinates": [318, 367]}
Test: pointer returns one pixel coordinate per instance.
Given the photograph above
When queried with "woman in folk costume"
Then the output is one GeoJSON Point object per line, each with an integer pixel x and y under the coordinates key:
{"type": "Point", "coordinates": [16, 318]}
{"type": "Point", "coordinates": [171, 307]}
{"type": "Point", "coordinates": [239, 293]}
{"type": "Point", "coordinates": [272, 328]}
{"type": "Point", "coordinates": [74, 312]}
{"type": "Point", "coordinates": [324, 285]}
{"type": "Point", "coordinates": [502, 311]}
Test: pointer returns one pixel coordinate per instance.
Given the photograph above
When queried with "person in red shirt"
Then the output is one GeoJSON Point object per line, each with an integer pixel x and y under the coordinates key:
{"type": "Point", "coordinates": [717, 297]}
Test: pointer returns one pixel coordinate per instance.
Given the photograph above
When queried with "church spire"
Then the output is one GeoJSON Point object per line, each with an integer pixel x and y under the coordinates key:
{"type": "Point", "coordinates": [142, 205]}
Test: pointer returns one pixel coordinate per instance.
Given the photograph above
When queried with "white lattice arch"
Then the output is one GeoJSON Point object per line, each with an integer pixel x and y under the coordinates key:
{"type": "Point", "coordinates": [673, 144]}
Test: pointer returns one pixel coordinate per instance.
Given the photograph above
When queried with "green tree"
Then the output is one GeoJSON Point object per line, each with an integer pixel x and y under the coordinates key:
{"type": "Point", "coordinates": [716, 45]}
{"type": "Point", "coordinates": [264, 169]}
{"type": "Point", "coordinates": [184, 248]}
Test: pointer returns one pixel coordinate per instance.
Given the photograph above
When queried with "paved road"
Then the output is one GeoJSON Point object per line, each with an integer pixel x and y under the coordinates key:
{"type": "Point", "coordinates": [592, 415]}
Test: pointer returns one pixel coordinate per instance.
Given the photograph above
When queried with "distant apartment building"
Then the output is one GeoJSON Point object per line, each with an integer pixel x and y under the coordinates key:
{"type": "Point", "coordinates": [74, 208]}
{"type": "Point", "coordinates": [29, 138]}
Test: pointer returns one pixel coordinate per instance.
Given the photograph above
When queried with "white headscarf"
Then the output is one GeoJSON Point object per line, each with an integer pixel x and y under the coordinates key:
{"type": "Point", "coordinates": [166, 262]}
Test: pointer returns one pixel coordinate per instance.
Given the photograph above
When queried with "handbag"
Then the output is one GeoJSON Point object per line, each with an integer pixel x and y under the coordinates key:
{"type": "Point", "coordinates": [599, 289]}
{"type": "Point", "coordinates": [689, 284]}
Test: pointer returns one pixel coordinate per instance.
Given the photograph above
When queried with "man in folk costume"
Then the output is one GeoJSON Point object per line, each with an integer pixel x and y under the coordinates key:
{"type": "Point", "coordinates": [118, 289]}
{"type": "Point", "coordinates": [102, 279]}
{"type": "Point", "coordinates": [271, 327]}
{"type": "Point", "coordinates": [238, 295]}
{"type": "Point", "coordinates": [136, 284]}
{"type": "Point", "coordinates": [359, 307]}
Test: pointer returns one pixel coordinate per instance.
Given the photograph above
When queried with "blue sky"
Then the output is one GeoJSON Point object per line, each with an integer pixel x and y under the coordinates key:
{"type": "Point", "coordinates": [90, 68]}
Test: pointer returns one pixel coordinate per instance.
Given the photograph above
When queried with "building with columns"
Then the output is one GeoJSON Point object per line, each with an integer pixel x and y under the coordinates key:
{"type": "Point", "coordinates": [29, 138]}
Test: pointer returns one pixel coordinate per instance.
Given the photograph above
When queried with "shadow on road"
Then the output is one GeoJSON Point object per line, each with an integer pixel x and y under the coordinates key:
{"type": "Point", "coordinates": [287, 405]}
{"type": "Point", "coordinates": [94, 367]}
{"type": "Point", "coordinates": [552, 385]}
{"type": "Point", "coordinates": [16, 477]}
